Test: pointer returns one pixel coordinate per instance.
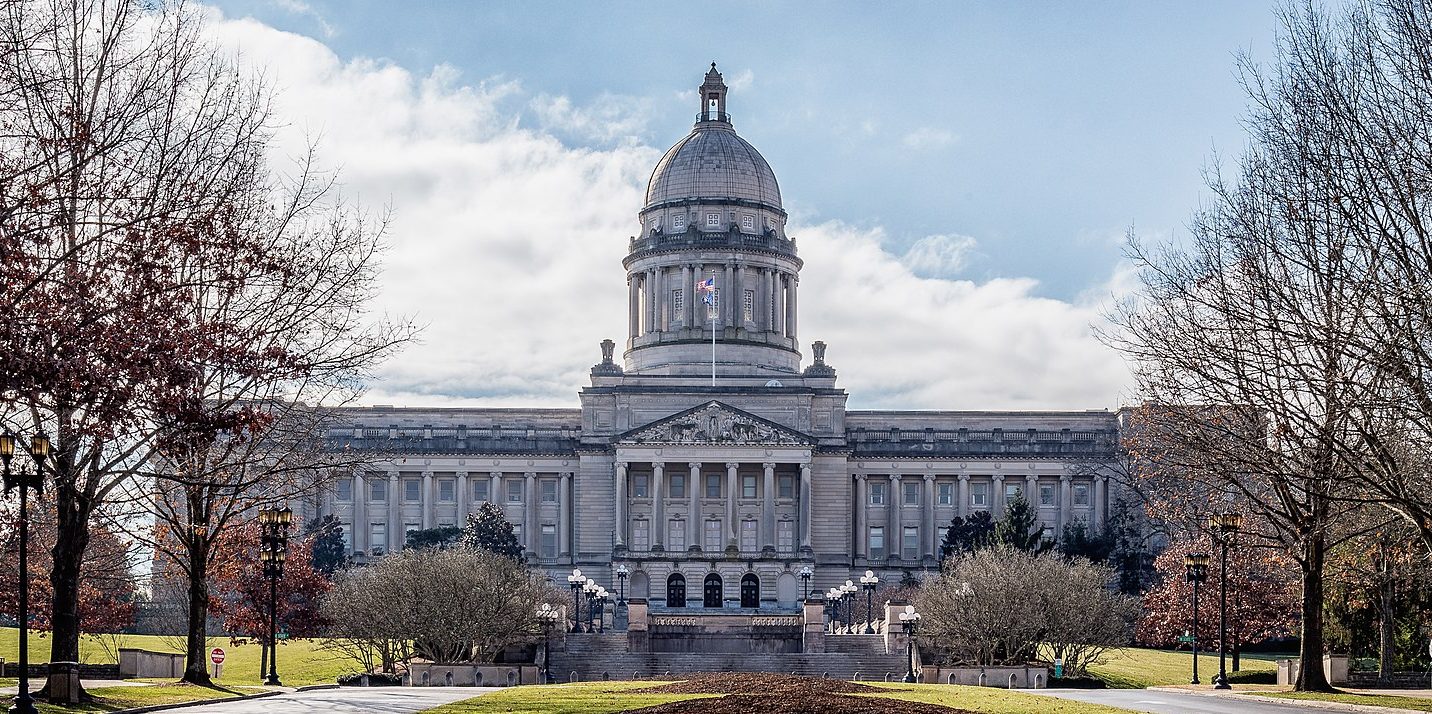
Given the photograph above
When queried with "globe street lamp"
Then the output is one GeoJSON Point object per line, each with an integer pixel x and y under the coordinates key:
{"type": "Point", "coordinates": [575, 582]}
{"type": "Point", "coordinates": [869, 581]}
{"type": "Point", "coordinates": [548, 617]}
{"type": "Point", "coordinates": [1196, 565]}
{"type": "Point", "coordinates": [847, 592]}
{"type": "Point", "coordinates": [602, 597]}
{"type": "Point", "coordinates": [590, 588]}
{"type": "Point", "coordinates": [805, 574]}
{"type": "Point", "coordinates": [1225, 526]}
{"type": "Point", "coordinates": [273, 551]}
{"type": "Point", "coordinates": [25, 480]}
{"type": "Point", "coordinates": [832, 596]}
{"type": "Point", "coordinates": [910, 621]}
{"type": "Point", "coordinates": [622, 573]}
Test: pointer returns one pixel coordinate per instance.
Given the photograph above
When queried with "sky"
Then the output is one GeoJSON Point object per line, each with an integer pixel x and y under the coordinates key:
{"type": "Point", "coordinates": [960, 176]}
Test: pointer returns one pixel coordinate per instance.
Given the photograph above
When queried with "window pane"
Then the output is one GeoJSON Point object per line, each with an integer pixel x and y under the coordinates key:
{"type": "Point", "coordinates": [748, 535]}
{"type": "Point", "coordinates": [549, 540]}
{"type": "Point", "coordinates": [912, 494]}
{"type": "Point", "coordinates": [713, 486]}
{"type": "Point", "coordinates": [1081, 495]}
{"type": "Point", "coordinates": [877, 494]}
{"type": "Point", "coordinates": [787, 487]}
{"type": "Point", "coordinates": [411, 489]}
{"type": "Point", "coordinates": [748, 487]}
{"type": "Point", "coordinates": [640, 535]}
{"type": "Point", "coordinates": [1046, 495]}
{"type": "Point", "coordinates": [947, 494]}
{"type": "Point", "coordinates": [344, 489]}
{"type": "Point", "coordinates": [638, 486]}
{"type": "Point", "coordinates": [676, 535]}
{"type": "Point", "coordinates": [1011, 492]}
{"type": "Point", "coordinates": [713, 535]}
{"type": "Point", "coordinates": [911, 543]}
{"type": "Point", "coordinates": [678, 485]}
{"type": "Point", "coordinates": [877, 542]}
{"type": "Point", "coordinates": [447, 490]}
{"type": "Point", "coordinates": [378, 489]}
{"type": "Point", "coordinates": [979, 494]}
{"type": "Point", "coordinates": [786, 536]}
{"type": "Point", "coordinates": [479, 490]}
{"type": "Point", "coordinates": [549, 491]}
{"type": "Point", "coordinates": [514, 491]}
{"type": "Point", "coordinates": [378, 538]}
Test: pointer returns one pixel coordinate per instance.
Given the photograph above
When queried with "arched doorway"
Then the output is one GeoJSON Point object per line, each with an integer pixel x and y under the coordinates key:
{"type": "Point", "coordinates": [712, 591]}
{"type": "Point", "coordinates": [676, 590]}
{"type": "Point", "coordinates": [750, 590]}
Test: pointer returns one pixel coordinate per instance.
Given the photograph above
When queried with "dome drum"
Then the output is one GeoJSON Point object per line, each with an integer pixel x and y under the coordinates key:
{"type": "Point", "coordinates": [697, 240]}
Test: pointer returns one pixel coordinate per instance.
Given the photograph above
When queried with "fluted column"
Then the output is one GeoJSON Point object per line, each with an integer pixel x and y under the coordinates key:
{"type": "Point", "coordinates": [661, 300]}
{"type": "Point", "coordinates": [964, 496]}
{"type": "Point", "coordinates": [768, 506]}
{"type": "Point", "coordinates": [530, 530]}
{"type": "Point", "coordinates": [463, 496]}
{"type": "Point", "coordinates": [651, 308]}
{"type": "Point", "coordinates": [862, 511]}
{"type": "Point", "coordinates": [733, 492]}
{"type": "Point", "coordinates": [728, 314]}
{"type": "Point", "coordinates": [892, 530]}
{"type": "Point", "coordinates": [805, 509]}
{"type": "Point", "coordinates": [1101, 492]}
{"type": "Point", "coordinates": [927, 536]}
{"type": "Point", "coordinates": [360, 513]}
{"type": "Point", "coordinates": [687, 292]}
{"type": "Point", "coordinates": [996, 499]}
{"type": "Point", "coordinates": [693, 508]}
{"type": "Point", "coordinates": [1064, 503]}
{"type": "Point", "coordinates": [768, 299]}
{"type": "Point", "coordinates": [779, 284]}
{"type": "Point", "coordinates": [494, 488]}
{"type": "Point", "coordinates": [427, 499]}
{"type": "Point", "coordinates": [658, 506]}
{"type": "Point", "coordinates": [620, 477]}
{"type": "Point", "coordinates": [633, 306]}
{"type": "Point", "coordinates": [395, 513]}
{"type": "Point", "coordinates": [791, 306]}
{"type": "Point", "coordinates": [564, 516]}
{"type": "Point", "coordinates": [739, 295]}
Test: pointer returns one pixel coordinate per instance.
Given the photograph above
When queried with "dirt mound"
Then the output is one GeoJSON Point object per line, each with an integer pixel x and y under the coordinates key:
{"type": "Point", "coordinates": [759, 683]}
{"type": "Point", "coordinates": [784, 704]}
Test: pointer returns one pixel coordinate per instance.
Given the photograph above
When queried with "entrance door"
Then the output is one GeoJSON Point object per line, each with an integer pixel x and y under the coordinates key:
{"type": "Point", "coordinates": [676, 591]}
{"type": "Point", "coordinates": [713, 591]}
{"type": "Point", "coordinates": [750, 590]}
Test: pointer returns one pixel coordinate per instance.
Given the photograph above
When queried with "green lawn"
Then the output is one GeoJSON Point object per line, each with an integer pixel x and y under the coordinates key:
{"type": "Point", "coordinates": [108, 699]}
{"type": "Point", "coordinates": [300, 662]}
{"type": "Point", "coordinates": [1379, 700]}
{"type": "Point", "coordinates": [606, 697]}
{"type": "Point", "coordinates": [1136, 668]}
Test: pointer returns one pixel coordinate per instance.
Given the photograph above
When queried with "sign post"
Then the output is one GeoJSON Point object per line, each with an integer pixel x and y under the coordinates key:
{"type": "Point", "coordinates": [216, 656]}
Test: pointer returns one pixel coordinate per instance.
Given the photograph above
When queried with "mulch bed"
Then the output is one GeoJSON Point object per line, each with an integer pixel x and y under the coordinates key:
{"type": "Point", "coordinates": [755, 693]}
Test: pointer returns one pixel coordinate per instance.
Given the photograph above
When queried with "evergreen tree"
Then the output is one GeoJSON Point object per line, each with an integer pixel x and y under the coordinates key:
{"type": "Point", "coordinates": [967, 535]}
{"type": "Point", "coordinates": [488, 529]}
{"type": "Point", "coordinates": [1080, 540]}
{"type": "Point", "coordinates": [1020, 529]}
{"type": "Point", "coordinates": [328, 550]}
{"type": "Point", "coordinates": [440, 537]}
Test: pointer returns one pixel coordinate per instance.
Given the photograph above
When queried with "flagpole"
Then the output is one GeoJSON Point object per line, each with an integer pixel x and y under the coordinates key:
{"type": "Point", "coordinates": [714, 309]}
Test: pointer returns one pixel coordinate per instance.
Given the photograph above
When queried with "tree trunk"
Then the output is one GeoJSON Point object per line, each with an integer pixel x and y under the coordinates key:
{"type": "Point", "coordinates": [72, 516]}
{"type": "Point", "coordinates": [196, 646]}
{"type": "Point", "coordinates": [1310, 649]}
{"type": "Point", "coordinates": [1236, 647]}
{"type": "Point", "coordinates": [1387, 624]}
{"type": "Point", "coordinates": [263, 656]}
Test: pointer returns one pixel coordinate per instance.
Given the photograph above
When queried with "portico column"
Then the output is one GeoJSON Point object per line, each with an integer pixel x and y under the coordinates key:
{"type": "Point", "coordinates": [780, 286]}
{"type": "Point", "coordinates": [862, 507]}
{"type": "Point", "coordinates": [928, 537]}
{"type": "Point", "coordinates": [805, 506]}
{"type": "Point", "coordinates": [768, 506]}
{"type": "Point", "coordinates": [693, 509]}
{"type": "Point", "coordinates": [427, 499]}
{"type": "Point", "coordinates": [1101, 491]}
{"type": "Point", "coordinates": [661, 313]}
{"type": "Point", "coordinates": [732, 493]}
{"type": "Point", "coordinates": [360, 513]}
{"type": "Point", "coordinates": [1064, 504]}
{"type": "Point", "coordinates": [892, 505]}
{"type": "Point", "coordinates": [693, 299]}
{"type": "Point", "coordinates": [996, 499]}
{"type": "Point", "coordinates": [494, 488]}
{"type": "Point", "coordinates": [650, 300]}
{"type": "Point", "coordinates": [658, 506]}
{"type": "Point", "coordinates": [739, 296]}
{"type": "Point", "coordinates": [791, 306]}
{"type": "Point", "coordinates": [462, 498]}
{"type": "Point", "coordinates": [529, 515]}
{"type": "Point", "coordinates": [768, 286]}
{"type": "Point", "coordinates": [728, 313]}
{"type": "Point", "coordinates": [395, 518]}
{"type": "Point", "coordinates": [621, 490]}
{"type": "Point", "coordinates": [564, 516]}
{"type": "Point", "coordinates": [964, 496]}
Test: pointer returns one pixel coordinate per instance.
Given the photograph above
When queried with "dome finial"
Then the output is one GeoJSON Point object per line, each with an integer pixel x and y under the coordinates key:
{"type": "Point", "coordinates": [713, 97]}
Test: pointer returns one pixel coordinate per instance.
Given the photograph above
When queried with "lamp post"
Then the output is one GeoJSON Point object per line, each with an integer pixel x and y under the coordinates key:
{"type": "Point", "coordinates": [575, 582]}
{"type": "Point", "coordinates": [1225, 527]}
{"type": "Point", "coordinates": [832, 596]}
{"type": "Point", "coordinates": [805, 574]}
{"type": "Point", "coordinates": [868, 581]}
{"type": "Point", "coordinates": [1196, 567]}
{"type": "Point", "coordinates": [590, 588]}
{"type": "Point", "coordinates": [548, 617]}
{"type": "Point", "coordinates": [25, 480]}
{"type": "Point", "coordinates": [622, 573]}
{"type": "Point", "coordinates": [848, 591]}
{"type": "Point", "coordinates": [273, 551]}
{"type": "Point", "coordinates": [910, 621]}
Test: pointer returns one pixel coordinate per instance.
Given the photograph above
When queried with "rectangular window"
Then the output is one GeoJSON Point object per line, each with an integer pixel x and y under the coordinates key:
{"type": "Point", "coordinates": [409, 529]}
{"type": "Point", "coordinates": [1081, 495]}
{"type": "Point", "coordinates": [947, 493]}
{"type": "Point", "coordinates": [640, 535]}
{"type": "Point", "coordinates": [517, 533]}
{"type": "Point", "coordinates": [678, 222]}
{"type": "Point", "coordinates": [748, 486]}
{"type": "Point", "coordinates": [786, 536]}
{"type": "Point", "coordinates": [912, 493]}
{"type": "Point", "coordinates": [343, 489]}
{"type": "Point", "coordinates": [713, 220]}
{"type": "Point", "coordinates": [678, 304]}
{"type": "Point", "coordinates": [412, 490]}
{"type": "Point", "coordinates": [479, 490]}
{"type": "Point", "coordinates": [549, 490]}
{"type": "Point", "coordinates": [549, 540]}
{"type": "Point", "coordinates": [639, 486]}
{"type": "Point", "coordinates": [676, 535]}
{"type": "Point", "coordinates": [378, 538]}
{"type": "Point", "coordinates": [1046, 495]}
{"type": "Point", "coordinates": [877, 542]}
{"type": "Point", "coordinates": [514, 491]}
{"type": "Point", "coordinates": [678, 486]}
{"type": "Point", "coordinates": [713, 536]}
{"type": "Point", "coordinates": [748, 306]}
{"type": "Point", "coordinates": [748, 536]}
{"type": "Point", "coordinates": [713, 485]}
{"type": "Point", "coordinates": [979, 495]}
{"type": "Point", "coordinates": [347, 535]}
{"type": "Point", "coordinates": [378, 489]}
{"type": "Point", "coordinates": [748, 222]}
{"type": "Point", "coordinates": [786, 486]}
{"type": "Point", "coordinates": [910, 543]}
{"type": "Point", "coordinates": [447, 490]}
{"type": "Point", "coordinates": [1012, 491]}
{"type": "Point", "coordinates": [877, 494]}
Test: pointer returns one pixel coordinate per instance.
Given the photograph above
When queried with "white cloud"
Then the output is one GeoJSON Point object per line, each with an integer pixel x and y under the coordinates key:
{"type": "Point", "coordinates": [740, 81]}
{"type": "Point", "coordinates": [507, 245]}
{"type": "Point", "coordinates": [939, 256]}
{"type": "Point", "coordinates": [608, 119]}
{"type": "Point", "coordinates": [927, 137]}
{"type": "Point", "coordinates": [303, 9]}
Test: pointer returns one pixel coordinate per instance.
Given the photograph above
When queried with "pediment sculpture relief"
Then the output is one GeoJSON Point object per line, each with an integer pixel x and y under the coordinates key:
{"type": "Point", "coordinates": [715, 424]}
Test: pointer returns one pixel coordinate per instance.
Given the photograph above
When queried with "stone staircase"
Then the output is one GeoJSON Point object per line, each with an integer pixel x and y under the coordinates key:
{"type": "Point", "coordinates": [592, 656]}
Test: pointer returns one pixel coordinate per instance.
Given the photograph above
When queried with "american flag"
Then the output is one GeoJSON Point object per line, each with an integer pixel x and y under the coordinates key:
{"type": "Point", "coordinates": [707, 289]}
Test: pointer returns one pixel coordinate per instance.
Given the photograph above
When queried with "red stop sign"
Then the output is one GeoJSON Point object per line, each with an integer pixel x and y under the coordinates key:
{"type": "Point", "coordinates": [216, 655]}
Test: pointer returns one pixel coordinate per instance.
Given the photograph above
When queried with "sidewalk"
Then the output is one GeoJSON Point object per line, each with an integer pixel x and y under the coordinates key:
{"type": "Point", "coordinates": [1253, 692]}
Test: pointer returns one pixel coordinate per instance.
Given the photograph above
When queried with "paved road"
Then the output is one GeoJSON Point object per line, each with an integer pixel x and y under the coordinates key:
{"type": "Point", "coordinates": [1162, 702]}
{"type": "Point", "coordinates": [348, 700]}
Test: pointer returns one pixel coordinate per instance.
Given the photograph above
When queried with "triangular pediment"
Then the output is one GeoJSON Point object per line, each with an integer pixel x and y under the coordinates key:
{"type": "Point", "coordinates": [716, 424]}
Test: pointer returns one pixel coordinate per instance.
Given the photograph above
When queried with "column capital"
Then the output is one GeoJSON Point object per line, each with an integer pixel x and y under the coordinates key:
{"type": "Point", "coordinates": [566, 475]}
{"type": "Point", "coordinates": [929, 478]}
{"type": "Point", "coordinates": [693, 465]}
{"type": "Point", "coordinates": [529, 475]}
{"type": "Point", "coordinates": [658, 466]}
{"type": "Point", "coordinates": [895, 478]}
{"type": "Point", "coordinates": [621, 465]}
{"type": "Point", "coordinates": [769, 465]}
{"type": "Point", "coordinates": [495, 474]}
{"type": "Point", "coordinates": [732, 465]}
{"type": "Point", "coordinates": [427, 474]}
{"type": "Point", "coordinates": [1100, 478]}
{"type": "Point", "coordinates": [805, 466]}
{"type": "Point", "coordinates": [964, 478]}
{"type": "Point", "coordinates": [1065, 478]}
{"type": "Point", "coordinates": [392, 475]}
{"type": "Point", "coordinates": [860, 477]}
{"type": "Point", "coordinates": [999, 478]}
{"type": "Point", "coordinates": [462, 474]}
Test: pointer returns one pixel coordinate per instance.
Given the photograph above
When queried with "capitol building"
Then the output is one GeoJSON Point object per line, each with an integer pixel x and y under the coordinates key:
{"type": "Point", "coordinates": [716, 474]}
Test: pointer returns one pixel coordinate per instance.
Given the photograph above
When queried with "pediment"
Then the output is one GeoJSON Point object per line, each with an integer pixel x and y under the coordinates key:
{"type": "Point", "coordinates": [716, 424]}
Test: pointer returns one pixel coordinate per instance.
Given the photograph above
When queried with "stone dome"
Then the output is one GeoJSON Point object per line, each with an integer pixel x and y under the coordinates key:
{"type": "Point", "coordinates": [710, 164]}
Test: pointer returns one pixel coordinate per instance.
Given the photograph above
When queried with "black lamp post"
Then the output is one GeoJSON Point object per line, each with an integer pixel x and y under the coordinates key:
{"type": "Point", "coordinates": [805, 574]}
{"type": "Point", "coordinates": [548, 617]}
{"type": "Point", "coordinates": [622, 573]}
{"type": "Point", "coordinates": [868, 581]}
{"type": "Point", "coordinates": [590, 588]}
{"type": "Point", "coordinates": [273, 551]}
{"type": "Point", "coordinates": [847, 592]}
{"type": "Point", "coordinates": [910, 621]}
{"type": "Point", "coordinates": [602, 596]}
{"type": "Point", "coordinates": [1225, 527]}
{"type": "Point", "coordinates": [25, 480]}
{"type": "Point", "coordinates": [575, 581]}
{"type": "Point", "coordinates": [832, 598]}
{"type": "Point", "coordinates": [1196, 567]}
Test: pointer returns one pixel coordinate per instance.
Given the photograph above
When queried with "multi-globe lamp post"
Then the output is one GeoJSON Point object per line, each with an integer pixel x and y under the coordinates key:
{"type": "Point", "coordinates": [910, 622]}
{"type": "Point", "coordinates": [25, 479]}
{"type": "Point", "coordinates": [847, 592]}
{"type": "Point", "coordinates": [1196, 569]}
{"type": "Point", "coordinates": [832, 597]}
{"type": "Point", "coordinates": [868, 582]}
{"type": "Point", "coordinates": [576, 581]}
{"type": "Point", "coordinates": [273, 551]}
{"type": "Point", "coordinates": [548, 617]}
{"type": "Point", "coordinates": [622, 574]}
{"type": "Point", "coordinates": [805, 574]}
{"type": "Point", "coordinates": [1225, 527]}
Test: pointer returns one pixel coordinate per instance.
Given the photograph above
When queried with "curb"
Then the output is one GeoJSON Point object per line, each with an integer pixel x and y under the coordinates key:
{"type": "Point", "coordinates": [316, 687]}
{"type": "Point", "coordinates": [201, 702]}
{"type": "Point", "coordinates": [1307, 703]}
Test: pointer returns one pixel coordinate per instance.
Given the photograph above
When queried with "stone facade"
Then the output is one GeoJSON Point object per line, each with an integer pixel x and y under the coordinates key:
{"type": "Point", "coordinates": [716, 480]}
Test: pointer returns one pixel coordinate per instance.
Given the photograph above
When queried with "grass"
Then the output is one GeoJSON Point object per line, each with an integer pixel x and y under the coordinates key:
{"type": "Point", "coordinates": [1136, 668]}
{"type": "Point", "coordinates": [108, 699]}
{"type": "Point", "coordinates": [606, 697]}
{"type": "Point", "coordinates": [1380, 700]}
{"type": "Point", "coordinates": [300, 662]}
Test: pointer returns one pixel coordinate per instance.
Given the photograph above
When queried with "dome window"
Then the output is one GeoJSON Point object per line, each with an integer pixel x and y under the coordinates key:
{"type": "Point", "coordinates": [678, 222]}
{"type": "Point", "coordinates": [748, 222]}
{"type": "Point", "coordinates": [713, 220]}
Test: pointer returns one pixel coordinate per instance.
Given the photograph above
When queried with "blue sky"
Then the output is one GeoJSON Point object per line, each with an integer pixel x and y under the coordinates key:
{"type": "Point", "coordinates": [959, 175]}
